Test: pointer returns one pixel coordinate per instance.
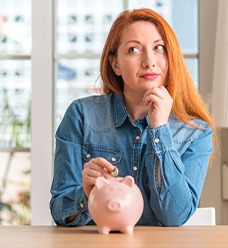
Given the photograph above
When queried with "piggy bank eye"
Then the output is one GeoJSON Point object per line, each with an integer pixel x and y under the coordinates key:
{"type": "Point", "coordinates": [110, 189]}
{"type": "Point", "coordinates": [118, 189]}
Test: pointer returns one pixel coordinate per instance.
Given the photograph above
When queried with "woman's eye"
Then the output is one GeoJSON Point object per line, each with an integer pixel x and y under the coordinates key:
{"type": "Point", "coordinates": [133, 50]}
{"type": "Point", "coordinates": [160, 49]}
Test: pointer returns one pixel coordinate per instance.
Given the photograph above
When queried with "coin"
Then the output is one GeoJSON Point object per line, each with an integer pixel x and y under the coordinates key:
{"type": "Point", "coordinates": [115, 172]}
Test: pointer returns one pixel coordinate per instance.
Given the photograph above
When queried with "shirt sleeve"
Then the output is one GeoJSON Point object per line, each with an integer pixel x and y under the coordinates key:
{"type": "Point", "coordinates": [176, 196]}
{"type": "Point", "coordinates": [68, 196]}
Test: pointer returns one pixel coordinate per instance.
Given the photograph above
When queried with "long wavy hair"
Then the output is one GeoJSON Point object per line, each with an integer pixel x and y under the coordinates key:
{"type": "Point", "coordinates": [187, 102]}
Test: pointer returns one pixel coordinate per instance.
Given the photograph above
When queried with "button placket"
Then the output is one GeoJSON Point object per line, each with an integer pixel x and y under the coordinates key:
{"type": "Point", "coordinates": [136, 156]}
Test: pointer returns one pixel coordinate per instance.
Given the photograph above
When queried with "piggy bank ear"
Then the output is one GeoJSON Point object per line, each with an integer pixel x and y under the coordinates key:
{"type": "Point", "coordinates": [100, 181]}
{"type": "Point", "coordinates": [129, 180]}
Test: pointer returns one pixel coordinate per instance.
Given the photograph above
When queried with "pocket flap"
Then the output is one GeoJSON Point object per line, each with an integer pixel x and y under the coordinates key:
{"type": "Point", "coordinates": [112, 155]}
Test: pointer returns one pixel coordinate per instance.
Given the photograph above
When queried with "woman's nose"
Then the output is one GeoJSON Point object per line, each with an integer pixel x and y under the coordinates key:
{"type": "Point", "coordinates": [149, 60]}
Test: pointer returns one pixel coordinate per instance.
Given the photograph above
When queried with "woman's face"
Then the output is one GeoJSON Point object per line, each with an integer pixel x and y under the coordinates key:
{"type": "Point", "coordinates": [141, 58]}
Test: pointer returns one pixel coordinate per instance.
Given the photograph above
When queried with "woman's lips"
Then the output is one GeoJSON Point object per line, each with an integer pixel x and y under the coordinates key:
{"type": "Point", "coordinates": [150, 76]}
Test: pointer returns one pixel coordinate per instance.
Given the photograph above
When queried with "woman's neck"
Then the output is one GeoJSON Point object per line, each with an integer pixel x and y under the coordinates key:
{"type": "Point", "coordinates": [135, 107]}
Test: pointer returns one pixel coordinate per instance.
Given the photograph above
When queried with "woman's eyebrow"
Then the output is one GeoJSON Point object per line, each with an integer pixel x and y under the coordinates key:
{"type": "Point", "coordinates": [132, 41]}
{"type": "Point", "coordinates": [159, 40]}
{"type": "Point", "coordinates": [138, 42]}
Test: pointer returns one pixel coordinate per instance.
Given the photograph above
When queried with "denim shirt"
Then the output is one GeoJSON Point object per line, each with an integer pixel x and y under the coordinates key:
{"type": "Point", "coordinates": [99, 126]}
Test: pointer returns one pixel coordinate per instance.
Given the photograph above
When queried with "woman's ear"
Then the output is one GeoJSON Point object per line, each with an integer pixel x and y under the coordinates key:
{"type": "Point", "coordinates": [115, 66]}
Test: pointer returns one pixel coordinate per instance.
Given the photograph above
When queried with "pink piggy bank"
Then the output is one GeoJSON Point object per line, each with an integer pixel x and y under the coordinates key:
{"type": "Point", "coordinates": [115, 204]}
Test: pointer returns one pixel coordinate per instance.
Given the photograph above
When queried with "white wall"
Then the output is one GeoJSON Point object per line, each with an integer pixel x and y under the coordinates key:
{"type": "Point", "coordinates": [212, 192]}
{"type": "Point", "coordinates": [224, 158]}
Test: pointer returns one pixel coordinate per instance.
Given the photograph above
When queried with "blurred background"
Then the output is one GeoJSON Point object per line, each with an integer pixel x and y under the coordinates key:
{"type": "Point", "coordinates": [49, 56]}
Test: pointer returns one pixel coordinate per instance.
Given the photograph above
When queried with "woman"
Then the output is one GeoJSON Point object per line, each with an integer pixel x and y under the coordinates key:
{"type": "Point", "coordinates": [150, 123]}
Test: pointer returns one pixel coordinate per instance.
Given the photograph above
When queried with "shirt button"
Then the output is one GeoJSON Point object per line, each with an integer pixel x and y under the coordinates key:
{"type": "Point", "coordinates": [113, 159]}
{"type": "Point", "coordinates": [81, 205]}
{"type": "Point", "coordinates": [135, 168]}
{"type": "Point", "coordinates": [156, 140]}
{"type": "Point", "coordinates": [88, 155]}
{"type": "Point", "coordinates": [137, 137]}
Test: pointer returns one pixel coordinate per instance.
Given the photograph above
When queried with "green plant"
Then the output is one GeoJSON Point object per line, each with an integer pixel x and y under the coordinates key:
{"type": "Point", "coordinates": [15, 209]}
{"type": "Point", "coordinates": [17, 130]}
{"type": "Point", "coordinates": [15, 133]}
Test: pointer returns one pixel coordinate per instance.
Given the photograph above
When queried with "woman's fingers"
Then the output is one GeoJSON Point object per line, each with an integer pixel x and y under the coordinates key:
{"type": "Point", "coordinates": [96, 167]}
{"type": "Point", "coordinates": [156, 94]}
{"type": "Point", "coordinates": [159, 104]}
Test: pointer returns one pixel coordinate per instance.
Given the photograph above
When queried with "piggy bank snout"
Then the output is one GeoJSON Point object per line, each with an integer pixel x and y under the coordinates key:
{"type": "Point", "coordinates": [113, 205]}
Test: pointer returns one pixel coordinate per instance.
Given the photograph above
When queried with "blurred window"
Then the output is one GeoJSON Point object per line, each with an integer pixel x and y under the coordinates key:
{"type": "Point", "coordinates": [15, 99]}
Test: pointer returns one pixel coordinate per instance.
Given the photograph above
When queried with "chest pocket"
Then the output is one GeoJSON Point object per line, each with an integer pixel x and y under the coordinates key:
{"type": "Point", "coordinates": [114, 156]}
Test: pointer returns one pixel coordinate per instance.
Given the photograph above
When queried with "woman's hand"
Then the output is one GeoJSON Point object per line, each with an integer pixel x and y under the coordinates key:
{"type": "Point", "coordinates": [160, 103]}
{"type": "Point", "coordinates": [96, 167]}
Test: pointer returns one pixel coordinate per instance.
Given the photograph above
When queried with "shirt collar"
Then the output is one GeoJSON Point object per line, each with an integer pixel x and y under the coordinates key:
{"type": "Point", "coordinates": [120, 112]}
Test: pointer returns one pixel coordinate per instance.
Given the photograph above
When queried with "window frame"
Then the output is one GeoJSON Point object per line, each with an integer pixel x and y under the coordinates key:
{"type": "Point", "coordinates": [42, 110]}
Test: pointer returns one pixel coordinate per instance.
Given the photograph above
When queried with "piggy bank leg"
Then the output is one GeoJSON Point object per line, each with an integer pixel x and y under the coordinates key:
{"type": "Point", "coordinates": [128, 230]}
{"type": "Point", "coordinates": [103, 229]}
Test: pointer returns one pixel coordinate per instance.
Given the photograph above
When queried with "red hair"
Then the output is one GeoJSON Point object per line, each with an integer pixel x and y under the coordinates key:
{"type": "Point", "coordinates": [187, 102]}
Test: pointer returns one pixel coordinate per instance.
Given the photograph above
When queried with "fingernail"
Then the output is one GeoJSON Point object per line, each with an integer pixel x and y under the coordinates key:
{"type": "Point", "coordinates": [115, 172]}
